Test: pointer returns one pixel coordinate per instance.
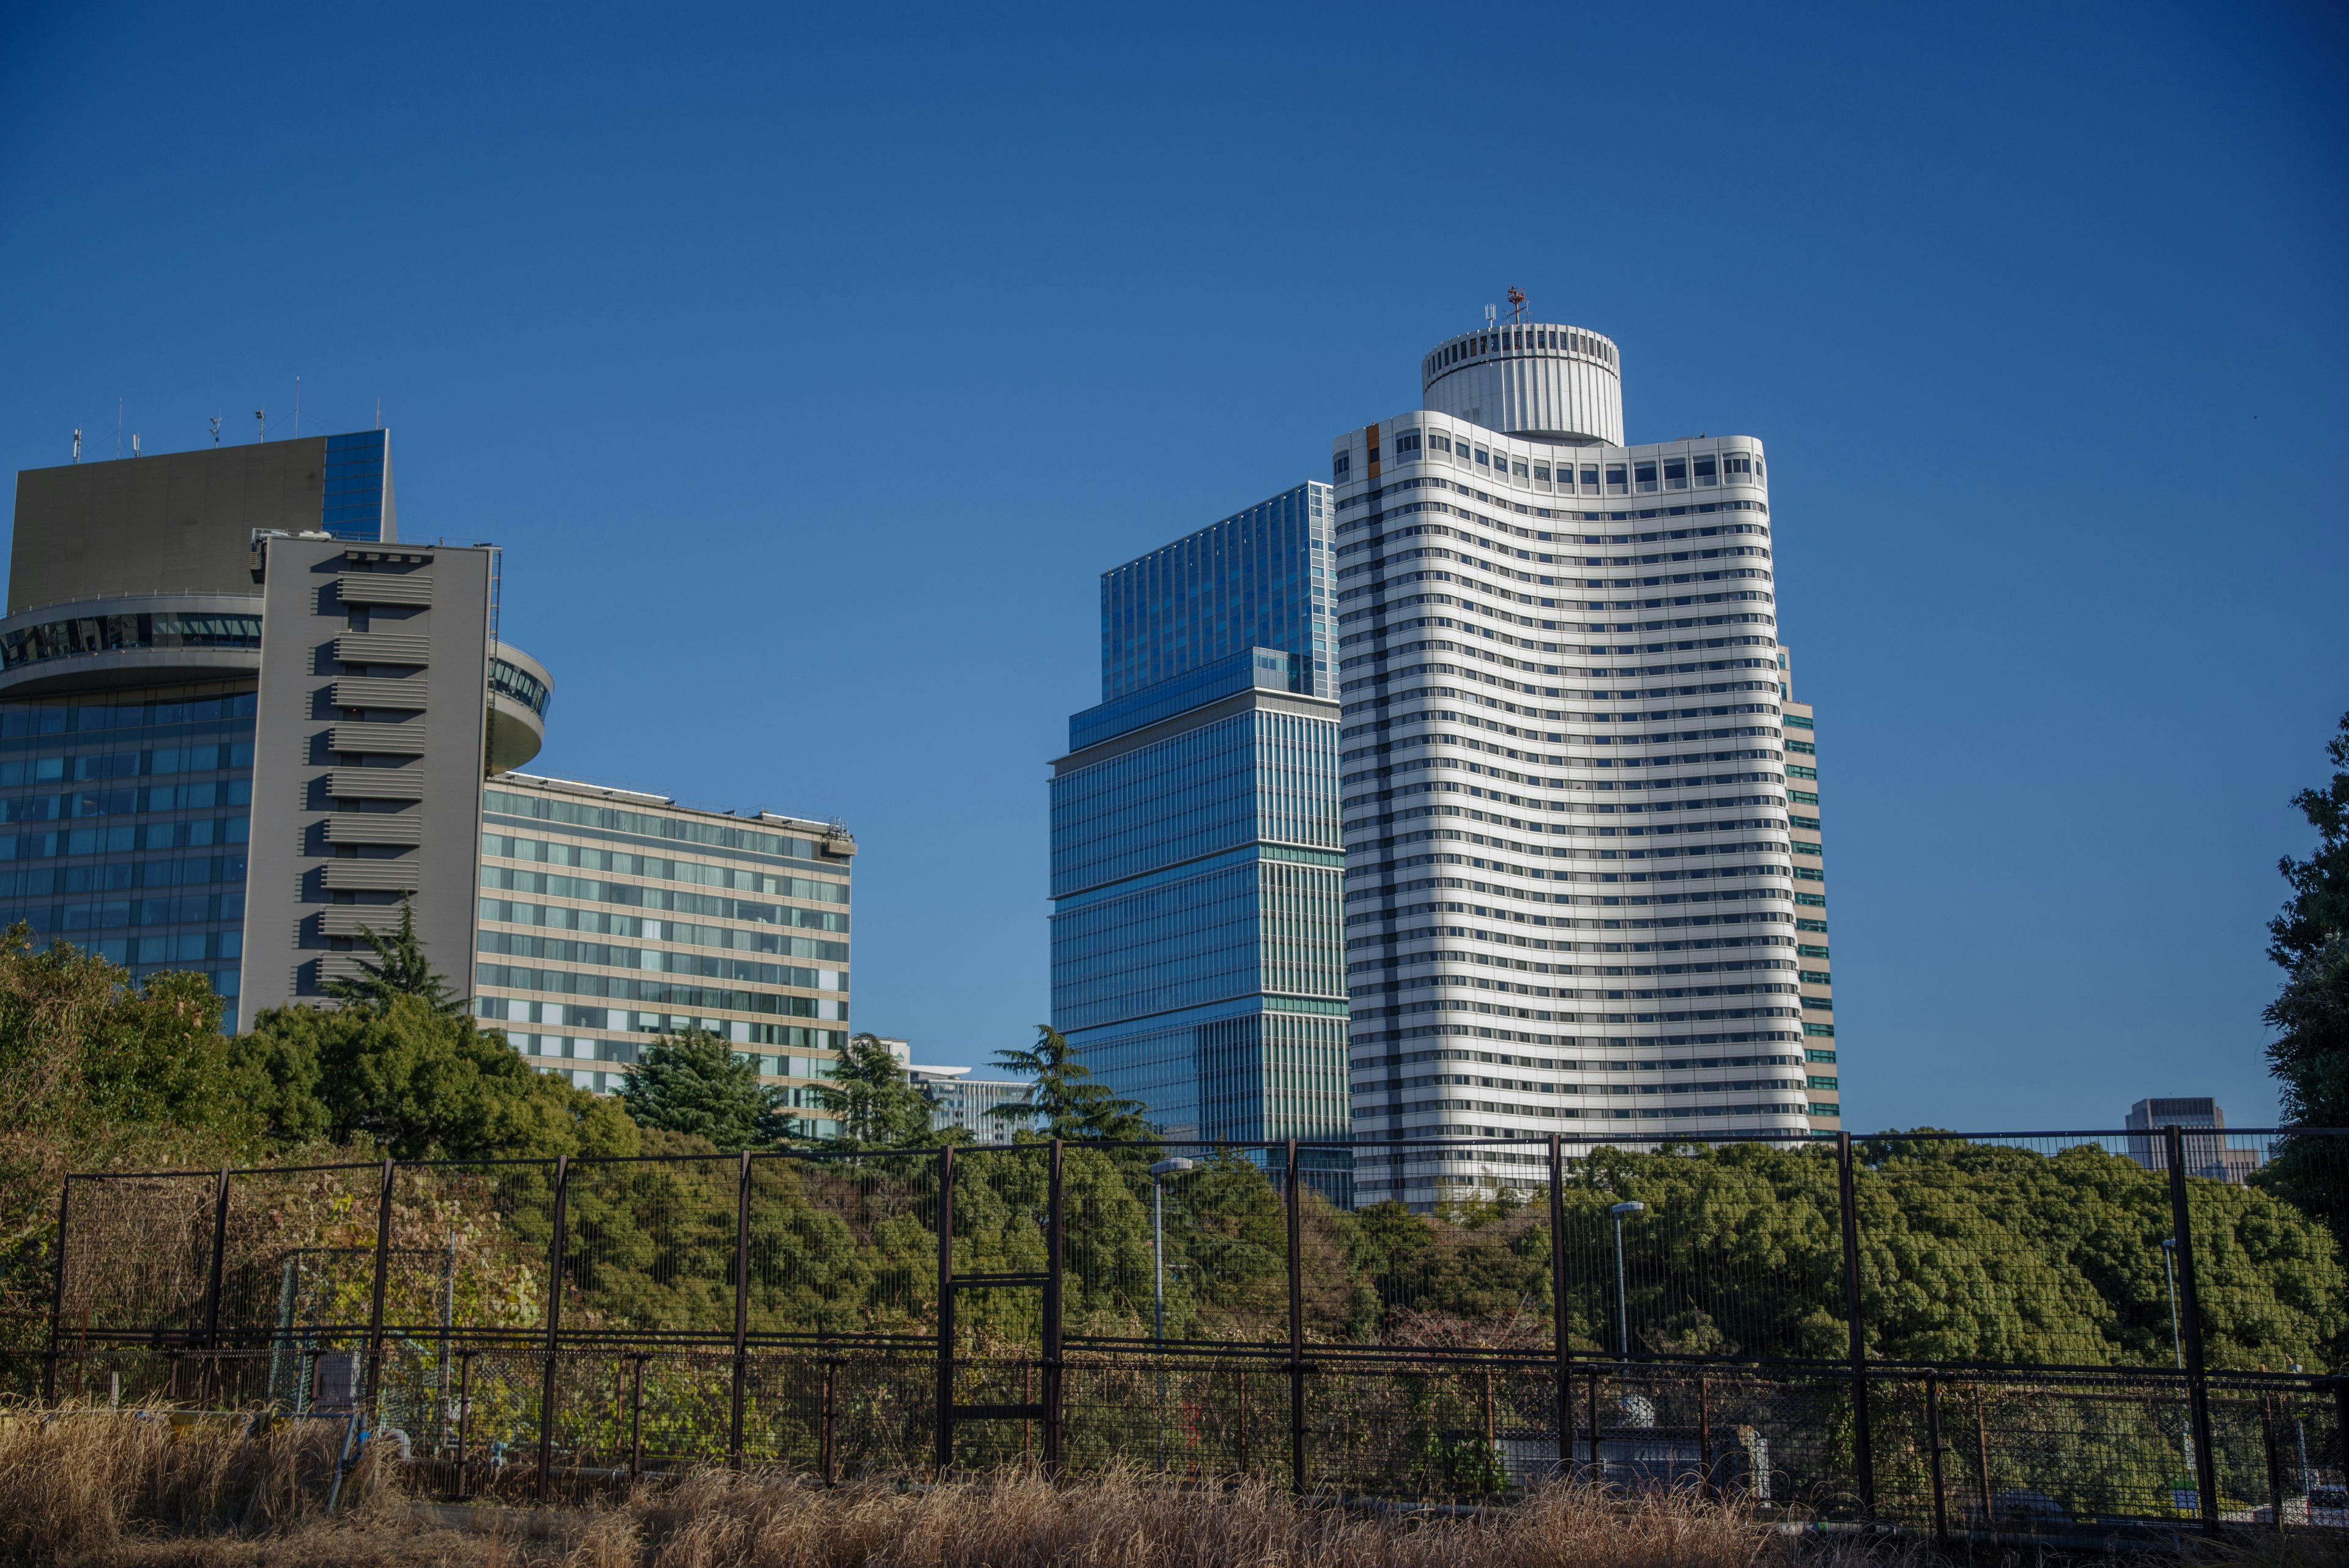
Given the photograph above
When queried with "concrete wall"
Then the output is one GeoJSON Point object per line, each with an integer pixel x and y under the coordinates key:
{"type": "Point", "coordinates": [371, 719]}
{"type": "Point", "coordinates": [176, 523]}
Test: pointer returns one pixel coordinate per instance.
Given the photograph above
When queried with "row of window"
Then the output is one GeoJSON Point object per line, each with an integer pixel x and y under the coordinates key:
{"type": "Point", "coordinates": [126, 765]}
{"type": "Point", "coordinates": [627, 863]}
{"type": "Point", "coordinates": [200, 796]}
{"type": "Point", "coordinates": [187, 909]}
{"type": "Point", "coordinates": [605, 923]}
{"type": "Point", "coordinates": [1518, 340]}
{"type": "Point", "coordinates": [1634, 476]}
{"type": "Point", "coordinates": [66, 715]}
{"type": "Point", "coordinates": [612, 819]}
{"type": "Point", "coordinates": [659, 961]}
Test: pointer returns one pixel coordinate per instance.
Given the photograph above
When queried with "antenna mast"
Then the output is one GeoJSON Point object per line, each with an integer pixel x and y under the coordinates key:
{"type": "Point", "coordinates": [297, 405]}
{"type": "Point", "coordinates": [76, 443]}
{"type": "Point", "coordinates": [216, 430]}
{"type": "Point", "coordinates": [260, 418]}
{"type": "Point", "coordinates": [1516, 303]}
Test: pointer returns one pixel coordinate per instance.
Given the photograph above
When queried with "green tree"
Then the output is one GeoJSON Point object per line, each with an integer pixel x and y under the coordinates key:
{"type": "Point", "coordinates": [694, 1084]}
{"type": "Point", "coordinates": [99, 1072]}
{"type": "Point", "coordinates": [873, 1102]}
{"type": "Point", "coordinates": [2310, 1055]}
{"type": "Point", "coordinates": [402, 970]}
{"type": "Point", "coordinates": [419, 1083]}
{"type": "Point", "coordinates": [2317, 914]}
{"type": "Point", "coordinates": [1070, 1103]}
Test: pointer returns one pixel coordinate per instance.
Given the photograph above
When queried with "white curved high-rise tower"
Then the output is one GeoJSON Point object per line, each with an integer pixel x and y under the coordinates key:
{"type": "Point", "coordinates": [1583, 882]}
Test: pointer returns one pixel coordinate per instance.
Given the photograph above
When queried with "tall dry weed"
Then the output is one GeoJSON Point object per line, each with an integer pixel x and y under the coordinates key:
{"type": "Point", "coordinates": [89, 1489]}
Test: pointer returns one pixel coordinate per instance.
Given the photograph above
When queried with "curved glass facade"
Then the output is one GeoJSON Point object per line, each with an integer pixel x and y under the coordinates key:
{"type": "Point", "coordinates": [117, 633]}
{"type": "Point", "coordinates": [514, 682]}
{"type": "Point", "coordinates": [126, 820]}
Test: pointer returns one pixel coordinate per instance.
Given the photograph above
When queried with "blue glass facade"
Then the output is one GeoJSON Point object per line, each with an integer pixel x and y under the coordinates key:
{"type": "Point", "coordinates": [1198, 866]}
{"type": "Point", "coordinates": [1261, 578]}
{"type": "Point", "coordinates": [123, 822]}
{"type": "Point", "coordinates": [355, 485]}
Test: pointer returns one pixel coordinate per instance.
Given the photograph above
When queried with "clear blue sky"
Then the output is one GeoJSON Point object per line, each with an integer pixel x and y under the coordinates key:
{"type": "Point", "coordinates": [811, 365]}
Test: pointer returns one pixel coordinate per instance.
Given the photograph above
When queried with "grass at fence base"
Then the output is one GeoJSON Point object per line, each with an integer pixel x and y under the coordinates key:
{"type": "Point", "coordinates": [93, 1489]}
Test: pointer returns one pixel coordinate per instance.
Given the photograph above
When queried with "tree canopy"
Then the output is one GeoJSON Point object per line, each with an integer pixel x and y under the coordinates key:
{"type": "Point", "coordinates": [694, 1084]}
{"type": "Point", "coordinates": [419, 1082]}
{"type": "Point", "coordinates": [873, 1102]}
{"type": "Point", "coordinates": [1066, 1099]}
{"type": "Point", "coordinates": [399, 969]}
{"type": "Point", "coordinates": [2310, 1055]}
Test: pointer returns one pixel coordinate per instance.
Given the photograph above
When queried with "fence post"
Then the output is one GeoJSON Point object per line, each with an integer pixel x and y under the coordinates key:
{"type": "Point", "coordinates": [58, 1299]}
{"type": "Point", "coordinates": [464, 1414]}
{"type": "Point", "coordinates": [2190, 1313]}
{"type": "Point", "coordinates": [1863, 1449]}
{"type": "Point", "coordinates": [1933, 1446]}
{"type": "Point", "coordinates": [1296, 1328]}
{"type": "Point", "coordinates": [636, 1419]}
{"type": "Point", "coordinates": [553, 1323]}
{"type": "Point", "coordinates": [943, 1456]}
{"type": "Point", "coordinates": [2276, 1458]}
{"type": "Point", "coordinates": [741, 1311]}
{"type": "Point", "coordinates": [375, 1298]}
{"type": "Point", "coordinates": [213, 1286]}
{"type": "Point", "coordinates": [1562, 1342]}
{"type": "Point", "coordinates": [1054, 1250]}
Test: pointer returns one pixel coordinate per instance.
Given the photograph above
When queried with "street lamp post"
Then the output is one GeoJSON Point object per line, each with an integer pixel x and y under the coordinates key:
{"type": "Point", "coordinates": [1158, 1174]}
{"type": "Point", "coordinates": [1622, 1302]}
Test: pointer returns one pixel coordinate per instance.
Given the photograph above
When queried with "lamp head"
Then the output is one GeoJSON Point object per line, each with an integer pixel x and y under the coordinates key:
{"type": "Point", "coordinates": [1174, 1167]}
{"type": "Point", "coordinates": [1632, 1206]}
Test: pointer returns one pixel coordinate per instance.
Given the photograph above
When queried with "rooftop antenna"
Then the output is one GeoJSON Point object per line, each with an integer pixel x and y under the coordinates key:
{"type": "Point", "coordinates": [1516, 303]}
{"type": "Point", "coordinates": [379, 411]}
{"type": "Point", "coordinates": [76, 443]}
{"type": "Point", "coordinates": [134, 443]}
{"type": "Point", "coordinates": [1491, 314]}
{"type": "Point", "coordinates": [216, 430]}
{"type": "Point", "coordinates": [260, 418]}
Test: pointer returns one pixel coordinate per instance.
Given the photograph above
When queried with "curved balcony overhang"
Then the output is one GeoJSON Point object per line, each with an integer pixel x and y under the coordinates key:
{"type": "Point", "coordinates": [139, 640]}
{"type": "Point", "coordinates": [520, 690]}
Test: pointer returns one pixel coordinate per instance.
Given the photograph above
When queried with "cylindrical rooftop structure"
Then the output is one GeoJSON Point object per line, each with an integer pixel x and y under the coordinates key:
{"type": "Point", "coordinates": [1543, 383]}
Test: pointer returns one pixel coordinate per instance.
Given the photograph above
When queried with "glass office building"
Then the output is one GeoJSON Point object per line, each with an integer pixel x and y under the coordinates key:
{"type": "Point", "coordinates": [1198, 958]}
{"type": "Point", "coordinates": [126, 820]}
{"type": "Point", "coordinates": [130, 664]}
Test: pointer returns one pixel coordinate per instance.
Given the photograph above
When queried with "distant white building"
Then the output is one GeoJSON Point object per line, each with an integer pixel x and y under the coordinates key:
{"type": "Point", "coordinates": [957, 1100]}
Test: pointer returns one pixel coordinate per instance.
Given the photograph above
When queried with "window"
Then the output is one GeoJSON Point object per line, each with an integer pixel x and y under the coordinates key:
{"type": "Point", "coordinates": [1436, 442]}
{"type": "Point", "coordinates": [1590, 478]}
{"type": "Point", "coordinates": [1541, 474]}
{"type": "Point", "coordinates": [1758, 475]}
{"type": "Point", "coordinates": [1705, 473]}
{"type": "Point", "coordinates": [1738, 466]}
{"type": "Point", "coordinates": [1342, 465]}
{"type": "Point", "coordinates": [1484, 458]}
{"type": "Point", "coordinates": [1617, 483]}
{"type": "Point", "coordinates": [1517, 467]}
{"type": "Point", "coordinates": [1405, 442]}
{"type": "Point", "coordinates": [1644, 476]}
{"type": "Point", "coordinates": [1675, 473]}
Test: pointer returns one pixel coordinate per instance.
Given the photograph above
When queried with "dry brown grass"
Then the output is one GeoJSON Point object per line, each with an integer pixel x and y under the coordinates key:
{"type": "Point", "coordinates": [93, 1490]}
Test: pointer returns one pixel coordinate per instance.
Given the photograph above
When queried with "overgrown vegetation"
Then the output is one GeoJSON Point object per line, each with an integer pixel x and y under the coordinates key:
{"type": "Point", "coordinates": [91, 1490]}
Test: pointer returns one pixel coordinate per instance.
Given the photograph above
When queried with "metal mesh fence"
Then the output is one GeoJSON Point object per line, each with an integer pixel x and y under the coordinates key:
{"type": "Point", "coordinates": [1988, 1335]}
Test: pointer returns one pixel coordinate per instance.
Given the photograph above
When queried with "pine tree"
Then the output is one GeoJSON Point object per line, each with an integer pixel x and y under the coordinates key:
{"type": "Point", "coordinates": [2311, 938]}
{"type": "Point", "coordinates": [2309, 1056]}
{"type": "Point", "coordinates": [403, 971]}
{"type": "Point", "coordinates": [874, 1104]}
{"type": "Point", "coordinates": [694, 1083]}
{"type": "Point", "coordinates": [1070, 1103]}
